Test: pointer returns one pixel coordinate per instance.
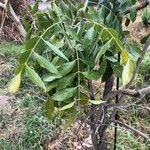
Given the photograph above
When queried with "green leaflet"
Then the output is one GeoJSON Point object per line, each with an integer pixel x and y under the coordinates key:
{"type": "Point", "coordinates": [109, 18]}
{"type": "Point", "coordinates": [102, 50]}
{"type": "Point", "coordinates": [64, 94]}
{"type": "Point", "coordinates": [91, 75]}
{"type": "Point", "coordinates": [109, 33]}
{"type": "Point", "coordinates": [133, 14]}
{"type": "Point", "coordinates": [117, 70]}
{"type": "Point", "coordinates": [35, 7]}
{"type": "Point", "coordinates": [35, 77]}
{"type": "Point", "coordinates": [108, 72]}
{"type": "Point", "coordinates": [63, 70]}
{"type": "Point", "coordinates": [46, 64]}
{"type": "Point", "coordinates": [67, 106]}
{"type": "Point", "coordinates": [55, 50]}
{"type": "Point", "coordinates": [52, 77]}
{"type": "Point", "coordinates": [103, 66]}
{"type": "Point", "coordinates": [24, 56]}
{"type": "Point", "coordinates": [19, 68]}
{"type": "Point", "coordinates": [89, 37]}
{"type": "Point", "coordinates": [29, 44]}
{"type": "Point", "coordinates": [67, 67]}
{"type": "Point", "coordinates": [128, 71]}
{"type": "Point", "coordinates": [51, 85]}
{"type": "Point", "coordinates": [65, 81]}
{"type": "Point", "coordinates": [72, 33]}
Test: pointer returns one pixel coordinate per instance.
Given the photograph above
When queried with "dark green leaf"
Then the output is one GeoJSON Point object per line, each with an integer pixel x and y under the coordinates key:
{"type": "Point", "coordinates": [133, 14]}
{"type": "Point", "coordinates": [19, 68]}
{"type": "Point", "coordinates": [103, 66]}
{"type": "Point", "coordinates": [117, 69]}
{"type": "Point", "coordinates": [105, 35]}
{"type": "Point", "coordinates": [46, 64]}
{"type": "Point", "coordinates": [102, 50]}
{"type": "Point", "coordinates": [108, 73]}
{"type": "Point", "coordinates": [35, 7]}
{"type": "Point", "coordinates": [26, 23]}
{"type": "Point", "coordinates": [24, 56]}
{"type": "Point", "coordinates": [145, 38]}
{"type": "Point", "coordinates": [65, 81]}
{"type": "Point", "coordinates": [66, 68]}
{"type": "Point", "coordinates": [92, 75]}
{"type": "Point", "coordinates": [29, 44]}
{"type": "Point", "coordinates": [101, 13]}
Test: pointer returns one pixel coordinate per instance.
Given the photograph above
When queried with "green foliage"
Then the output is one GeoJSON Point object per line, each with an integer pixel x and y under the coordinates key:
{"type": "Point", "coordinates": [36, 129]}
{"type": "Point", "coordinates": [73, 43]}
{"type": "Point", "coordinates": [146, 16]}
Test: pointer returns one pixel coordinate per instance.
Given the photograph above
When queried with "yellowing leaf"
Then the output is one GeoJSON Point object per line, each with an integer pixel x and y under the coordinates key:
{"type": "Point", "coordinates": [128, 71]}
{"type": "Point", "coordinates": [124, 57]}
{"type": "Point", "coordinates": [15, 83]}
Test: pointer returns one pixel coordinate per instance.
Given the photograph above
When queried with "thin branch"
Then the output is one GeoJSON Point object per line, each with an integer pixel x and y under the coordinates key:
{"type": "Point", "coordinates": [17, 21]}
{"type": "Point", "coordinates": [135, 93]}
{"type": "Point", "coordinates": [7, 5]}
{"type": "Point", "coordinates": [132, 129]}
{"type": "Point", "coordinates": [2, 5]}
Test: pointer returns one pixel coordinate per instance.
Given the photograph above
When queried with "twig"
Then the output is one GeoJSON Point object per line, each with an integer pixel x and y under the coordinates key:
{"type": "Point", "coordinates": [131, 128]}
{"type": "Point", "coordinates": [135, 93]}
{"type": "Point", "coordinates": [2, 5]}
{"type": "Point", "coordinates": [17, 21]}
{"type": "Point", "coordinates": [8, 9]}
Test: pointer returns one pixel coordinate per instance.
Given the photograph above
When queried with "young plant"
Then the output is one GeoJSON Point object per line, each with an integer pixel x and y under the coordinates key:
{"type": "Point", "coordinates": [69, 47]}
